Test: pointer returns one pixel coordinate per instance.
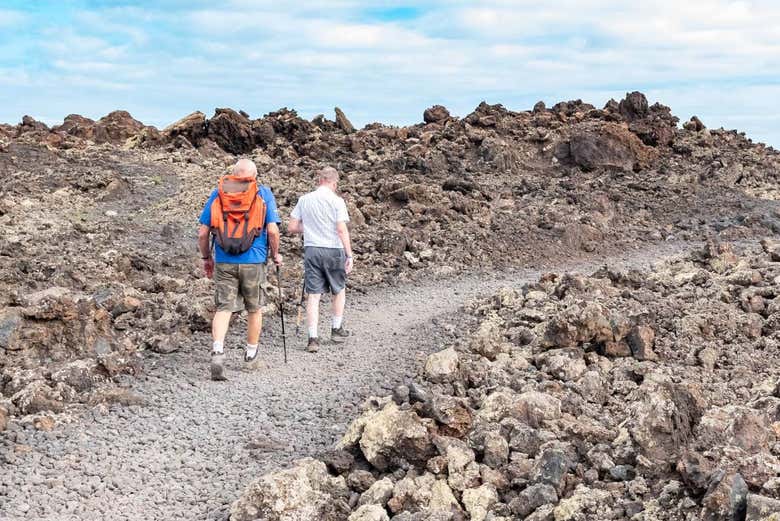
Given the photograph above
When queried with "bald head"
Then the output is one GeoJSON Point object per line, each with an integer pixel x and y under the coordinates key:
{"type": "Point", "coordinates": [328, 176]}
{"type": "Point", "coordinates": [245, 168]}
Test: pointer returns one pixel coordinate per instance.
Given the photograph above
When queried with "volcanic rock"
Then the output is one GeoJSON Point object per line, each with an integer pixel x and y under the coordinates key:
{"type": "Point", "coordinates": [77, 125]}
{"type": "Point", "coordinates": [393, 436]}
{"type": "Point", "coordinates": [116, 127]}
{"type": "Point", "coordinates": [229, 130]}
{"type": "Point", "coordinates": [436, 114]}
{"type": "Point", "coordinates": [342, 122]}
{"type": "Point", "coordinates": [191, 127]}
{"type": "Point", "coordinates": [610, 146]}
{"type": "Point", "coordinates": [442, 366]}
{"type": "Point", "coordinates": [305, 491]}
{"type": "Point", "coordinates": [694, 124]}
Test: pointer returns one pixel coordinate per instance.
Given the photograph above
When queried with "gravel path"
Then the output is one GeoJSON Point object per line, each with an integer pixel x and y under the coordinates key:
{"type": "Point", "coordinates": [189, 451]}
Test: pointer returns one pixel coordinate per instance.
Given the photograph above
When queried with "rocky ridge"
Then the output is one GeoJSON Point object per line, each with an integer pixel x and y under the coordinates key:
{"type": "Point", "coordinates": [620, 395]}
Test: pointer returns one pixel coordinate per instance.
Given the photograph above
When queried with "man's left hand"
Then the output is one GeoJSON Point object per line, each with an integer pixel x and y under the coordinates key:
{"type": "Point", "coordinates": [278, 259]}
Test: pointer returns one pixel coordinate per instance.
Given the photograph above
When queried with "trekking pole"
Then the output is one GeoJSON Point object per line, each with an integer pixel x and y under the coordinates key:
{"type": "Point", "coordinates": [299, 318]}
{"type": "Point", "coordinates": [281, 309]}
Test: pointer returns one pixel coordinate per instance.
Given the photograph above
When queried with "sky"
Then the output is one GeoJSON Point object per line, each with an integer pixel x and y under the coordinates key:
{"type": "Point", "coordinates": [387, 61]}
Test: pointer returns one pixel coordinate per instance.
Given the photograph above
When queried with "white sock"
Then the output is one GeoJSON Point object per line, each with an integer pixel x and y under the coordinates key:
{"type": "Point", "coordinates": [337, 322]}
{"type": "Point", "coordinates": [218, 347]}
{"type": "Point", "coordinates": [313, 332]}
{"type": "Point", "coordinates": [251, 350]}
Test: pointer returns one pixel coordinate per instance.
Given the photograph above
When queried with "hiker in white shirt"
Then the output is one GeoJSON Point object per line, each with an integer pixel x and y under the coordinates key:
{"type": "Point", "coordinates": [322, 217]}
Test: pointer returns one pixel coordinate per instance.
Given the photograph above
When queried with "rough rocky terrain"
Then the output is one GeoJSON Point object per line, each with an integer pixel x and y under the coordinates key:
{"type": "Point", "coordinates": [99, 280]}
{"type": "Point", "coordinates": [189, 449]}
{"type": "Point", "coordinates": [627, 394]}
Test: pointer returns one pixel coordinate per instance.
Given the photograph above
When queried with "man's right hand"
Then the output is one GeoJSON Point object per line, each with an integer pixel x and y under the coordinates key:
{"type": "Point", "coordinates": [349, 264]}
{"type": "Point", "coordinates": [208, 267]}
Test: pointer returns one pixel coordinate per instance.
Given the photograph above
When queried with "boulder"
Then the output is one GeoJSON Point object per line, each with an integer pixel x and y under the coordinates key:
{"type": "Point", "coordinates": [634, 106]}
{"type": "Point", "coordinates": [436, 114]}
{"type": "Point", "coordinates": [725, 499]}
{"type": "Point", "coordinates": [479, 501]}
{"type": "Point", "coordinates": [231, 131]}
{"type": "Point", "coordinates": [342, 122]}
{"type": "Point", "coordinates": [551, 467]}
{"type": "Point", "coordinates": [454, 414]}
{"type": "Point", "coordinates": [393, 436]}
{"type": "Point", "coordinates": [641, 340]}
{"type": "Point", "coordinates": [378, 493]}
{"type": "Point", "coordinates": [192, 127]}
{"type": "Point", "coordinates": [369, 513]}
{"type": "Point", "coordinates": [609, 145]}
{"type": "Point", "coordinates": [762, 508]}
{"type": "Point", "coordinates": [533, 497]}
{"type": "Point", "coordinates": [531, 407]}
{"type": "Point", "coordinates": [735, 425]}
{"type": "Point", "coordinates": [423, 493]}
{"type": "Point", "coordinates": [694, 125]}
{"type": "Point", "coordinates": [302, 492]}
{"type": "Point", "coordinates": [116, 127]}
{"type": "Point", "coordinates": [30, 124]}
{"type": "Point", "coordinates": [662, 422]}
{"type": "Point", "coordinates": [496, 450]}
{"type": "Point", "coordinates": [580, 504]}
{"type": "Point", "coordinates": [77, 125]}
{"type": "Point", "coordinates": [442, 366]}
{"type": "Point", "coordinates": [583, 237]}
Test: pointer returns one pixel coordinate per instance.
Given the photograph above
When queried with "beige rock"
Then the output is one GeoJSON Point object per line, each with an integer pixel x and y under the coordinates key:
{"type": "Point", "coordinates": [578, 503]}
{"type": "Point", "coordinates": [378, 493]}
{"type": "Point", "coordinates": [303, 492]}
{"type": "Point", "coordinates": [369, 513]}
{"type": "Point", "coordinates": [393, 435]}
{"type": "Point", "coordinates": [442, 366]}
{"type": "Point", "coordinates": [478, 501]}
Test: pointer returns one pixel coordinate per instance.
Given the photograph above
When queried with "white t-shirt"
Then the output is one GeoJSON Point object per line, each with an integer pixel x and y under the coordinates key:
{"type": "Point", "coordinates": [319, 211]}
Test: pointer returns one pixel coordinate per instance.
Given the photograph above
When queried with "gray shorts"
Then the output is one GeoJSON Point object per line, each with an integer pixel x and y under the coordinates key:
{"type": "Point", "coordinates": [324, 270]}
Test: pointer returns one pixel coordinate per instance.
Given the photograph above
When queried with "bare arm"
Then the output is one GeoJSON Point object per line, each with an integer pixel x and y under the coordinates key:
{"type": "Point", "coordinates": [205, 250]}
{"type": "Point", "coordinates": [343, 232]}
{"type": "Point", "coordinates": [273, 242]}
{"type": "Point", "coordinates": [295, 226]}
{"type": "Point", "coordinates": [203, 242]}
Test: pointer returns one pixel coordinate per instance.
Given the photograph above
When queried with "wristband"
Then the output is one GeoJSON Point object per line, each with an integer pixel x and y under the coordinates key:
{"type": "Point", "coordinates": [349, 256]}
{"type": "Point", "coordinates": [206, 258]}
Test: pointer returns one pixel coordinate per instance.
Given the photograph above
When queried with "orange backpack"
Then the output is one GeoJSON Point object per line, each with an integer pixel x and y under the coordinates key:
{"type": "Point", "coordinates": [237, 214]}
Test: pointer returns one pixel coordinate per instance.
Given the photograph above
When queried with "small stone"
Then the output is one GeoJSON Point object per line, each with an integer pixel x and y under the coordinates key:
{"type": "Point", "coordinates": [622, 473]}
{"type": "Point", "coordinates": [401, 394]}
{"type": "Point", "coordinates": [708, 357]}
{"type": "Point", "coordinates": [496, 451]}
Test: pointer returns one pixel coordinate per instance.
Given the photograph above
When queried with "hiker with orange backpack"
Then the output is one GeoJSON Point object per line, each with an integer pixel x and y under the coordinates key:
{"type": "Point", "coordinates": [242, 218]}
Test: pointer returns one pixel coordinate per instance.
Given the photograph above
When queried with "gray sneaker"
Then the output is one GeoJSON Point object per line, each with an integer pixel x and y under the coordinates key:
{"type": "Point", "coordinates": [340, 335]}
{"type": "Point", "coordinates": [314, 345]}
{"type": "Point", "coordinates": [218, 367]}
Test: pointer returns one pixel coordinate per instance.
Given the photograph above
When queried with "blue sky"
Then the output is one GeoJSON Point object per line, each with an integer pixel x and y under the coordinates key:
{"type": "Point", "coordinates": [388, 61]}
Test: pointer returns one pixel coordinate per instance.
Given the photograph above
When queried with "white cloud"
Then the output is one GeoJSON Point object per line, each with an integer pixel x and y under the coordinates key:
{"type": "Point", "coordinates": [9, 18]}
{"type": "Point", "coordinates": [260, 55]}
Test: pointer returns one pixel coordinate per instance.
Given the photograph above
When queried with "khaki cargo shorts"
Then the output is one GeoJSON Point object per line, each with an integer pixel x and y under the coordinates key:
{"type": "Point", "coordinates": [239, 286]}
